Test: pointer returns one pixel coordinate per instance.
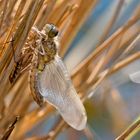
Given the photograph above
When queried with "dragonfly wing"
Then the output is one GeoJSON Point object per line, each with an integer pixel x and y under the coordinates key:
{"type": "Point", "coordinates": [55, 86]}
{"type": "Point", "coordinates": [135, 77]}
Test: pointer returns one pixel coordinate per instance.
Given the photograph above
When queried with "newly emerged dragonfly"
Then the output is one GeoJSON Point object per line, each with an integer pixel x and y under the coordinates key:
{"type": "Point", "coordinates": [50, 81]}
{"type": "Point", "coordinates": [135, 77]}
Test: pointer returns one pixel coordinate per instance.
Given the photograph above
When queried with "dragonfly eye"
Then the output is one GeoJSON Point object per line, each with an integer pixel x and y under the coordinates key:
{"type": "Point", "coordinates": [51, 30]}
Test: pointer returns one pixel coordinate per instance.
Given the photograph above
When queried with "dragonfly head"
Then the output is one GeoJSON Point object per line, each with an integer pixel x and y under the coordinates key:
{"type": "Point", "coordinates": [51, 30]}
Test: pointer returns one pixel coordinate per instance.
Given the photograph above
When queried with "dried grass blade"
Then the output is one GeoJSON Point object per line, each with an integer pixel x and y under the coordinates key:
{"type": "Point", "coordinates": [41, 21]}
{"type": "Point", "coordinates": [20, 38]}
{"type": "Point", "coordinates": [118, 66]}
{"type": "Point", "coordinates": [10, 129]}
{"type": "Point", "coordinates": [107, 43]}
{"type": "Point", "coordinates": [129, 130]}
{"type": "Point", "coordinates": [83, 11]}
{"type": "Point", "coordinates": [30, 120]}
{"type": "Point", "coordinates": [3, 13]}
{"type": "Point", "coordinates": [112, 21]}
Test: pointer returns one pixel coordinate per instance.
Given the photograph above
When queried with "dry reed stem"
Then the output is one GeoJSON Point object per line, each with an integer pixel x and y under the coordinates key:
{"type": "Point", "coordinates": [94, 82]}
{"type": "Point", "coordinates": [129, 130]}
{"type": "Point", "coordinates": [14, 24]}
{"type": "Point", "coordinates": [116, 107]}
{"type": "Point", "coordinates": [31, 119]}
{"type": "Point", "coordinates": [103, 61]}
{"type": "Point", "coordinates": [107, 43]}
{"type": "Point", "coordinates": [115, 48]}
{"type": "Point", "coordinates": [97, 68]}
{"type": "Point", "coordinates": [113, 69]}
{"type": "Point", "coordinates": [10, 111]}
{"type": "Point", "coordinates": [10, 129]}
{"type": "Point", "coordinates": [11, 6]}
{"type": "Point", "coordinates": [45, 14]}
{"type": "Point", "coordinates": [53, 134]}
{"type": "Point", "coordinates": [3, 13]}
{"type": "Point", "coordinates": [88, 133]}
{"type": "Point", "coordinates": [92, 86]}
{"type": "Point", "coordinates": [1, 4]}
{"type": "Point", "coordinates": [16, 91]}
{"type": "Point", "coordinates": [58, 12]}
{"type": "Point", "coordinates": [83, 11]}
{"type": "Point", "coordinates": [122, 46]}
{"type": "Point", "coordinates": [67, 14]}
{"type": "Point", "coordinates": [130, 47]}
{"type": "Point", "coordinates": [19, 40]}
{"type": "Point", "coordinates": [107, 56]}
{"type": "Point", "coordinates": [112, 21]}
{"type": "Point", "coordinates": [91, 73]}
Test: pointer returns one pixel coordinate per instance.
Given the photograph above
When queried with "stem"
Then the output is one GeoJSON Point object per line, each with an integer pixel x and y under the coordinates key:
{"type": "Point", "coordinates": [107, 43]}
{"type": "Point", "coordinates": [129, 130]}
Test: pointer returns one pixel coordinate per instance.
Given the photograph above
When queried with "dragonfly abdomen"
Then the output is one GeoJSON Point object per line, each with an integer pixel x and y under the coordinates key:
{"type": "Point", "coordinates": [33, 84]}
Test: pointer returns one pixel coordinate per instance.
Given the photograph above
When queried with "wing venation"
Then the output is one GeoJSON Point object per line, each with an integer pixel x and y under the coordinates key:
{"type": "Point", "coordinates": [55, 86]}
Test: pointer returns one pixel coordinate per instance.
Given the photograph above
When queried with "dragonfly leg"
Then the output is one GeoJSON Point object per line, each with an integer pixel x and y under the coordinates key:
{"type": "Point", "coordinates": [39, 33]}
{"type": "Point", "coordinates": [25, 69]}
{"type": "Point", "coordinates": [25, 48]}
{"type": "Point", "coordinates": [20, 66]}
{"type": "Point", "coordinates": [40, 47]}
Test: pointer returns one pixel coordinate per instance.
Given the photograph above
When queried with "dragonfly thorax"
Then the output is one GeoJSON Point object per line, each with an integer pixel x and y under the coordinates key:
{"type": "Point", "coordinates": [50, 48]}
{"type": "Point", "coordinates": [50, 51]}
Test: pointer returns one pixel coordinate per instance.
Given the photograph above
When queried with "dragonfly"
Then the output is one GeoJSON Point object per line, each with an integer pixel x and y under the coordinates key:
{"type": "Point", "coordinates": [50, 80]}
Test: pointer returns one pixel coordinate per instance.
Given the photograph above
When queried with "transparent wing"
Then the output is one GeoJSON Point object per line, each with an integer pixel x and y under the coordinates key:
{"type": "Point", "coordinates": [55, 86]}
{"type": "Point", "coordinates": [135, 77]}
